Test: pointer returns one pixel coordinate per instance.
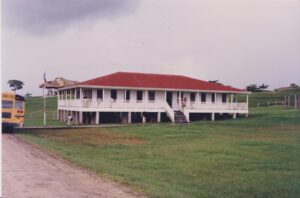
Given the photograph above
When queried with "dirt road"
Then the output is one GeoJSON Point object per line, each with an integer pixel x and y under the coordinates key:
{"type": "Point", "coordinates": [30, 172]}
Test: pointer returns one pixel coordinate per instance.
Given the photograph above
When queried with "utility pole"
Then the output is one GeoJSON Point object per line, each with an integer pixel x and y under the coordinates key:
{"type": "Point", "coordinates": [45, 114]}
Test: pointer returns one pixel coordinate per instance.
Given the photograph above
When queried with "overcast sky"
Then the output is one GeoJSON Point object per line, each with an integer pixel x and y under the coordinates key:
{"type": "Point", "coordinates": [238, 42]}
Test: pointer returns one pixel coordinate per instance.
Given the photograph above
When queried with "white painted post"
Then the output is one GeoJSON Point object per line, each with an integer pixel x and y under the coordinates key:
{"type": "Point", "coordinates": [158, 117]}
{"type": "Point", "coordinates": [180, 101]}
{"type": "Point", "coordinates": [212, 116]}
{"type": "Point", "coordinates": [97, 117]}
{"type": "Point", "coordinates": [198, 99]}
{"type": "Point", "coordinates": [231, 101]}
{"type": "Point", "coordinates": [103, 95]}
{"type": "Point", "coordinates": [129, 117]}
{"type": "Point", "coordinates": [234, 116]}
{"type": "Point", "coordinates": [146, 96]}
{"type": "Point", "coordinates": [80, 117]}
{"type": "Point", "coordinates": [215, 98]}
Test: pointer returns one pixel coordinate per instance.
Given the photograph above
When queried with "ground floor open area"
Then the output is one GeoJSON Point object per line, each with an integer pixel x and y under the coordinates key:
{"type": "Point", "coordinates": [98, 117]}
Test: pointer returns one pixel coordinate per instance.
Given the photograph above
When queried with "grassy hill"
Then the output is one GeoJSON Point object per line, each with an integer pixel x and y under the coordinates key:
{"type": "Point", "coordinates": [271, 96]}
{"type": "Point", "coordinates": [34, 111]}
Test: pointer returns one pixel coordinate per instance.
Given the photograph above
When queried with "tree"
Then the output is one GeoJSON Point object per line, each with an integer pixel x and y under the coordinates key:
{"type": "Point", "coordinates": [15, 84]}
{"type": "Point", "coordinates": [252, 88]}
{"type": "Point", "coordinates": [256, 88]}
{"type": "Point", "coordinates": [262, 87]}
{"type": "Point", "coordinates": [293, 85]}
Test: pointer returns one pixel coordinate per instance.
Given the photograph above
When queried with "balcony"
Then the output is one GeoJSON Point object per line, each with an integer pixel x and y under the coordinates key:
{"type": "Point", "coordinates": [138, 104]}
{"type": "Point", "coordinates": [120, 104]}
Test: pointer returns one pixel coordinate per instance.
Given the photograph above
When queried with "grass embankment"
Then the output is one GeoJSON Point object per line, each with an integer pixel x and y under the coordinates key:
{"type": "Point", "coordinates": [34, 111]}
{"type": "Point", "coordinates": [262, 98]}
{"type": "Point", "coordinates": [254, 157]}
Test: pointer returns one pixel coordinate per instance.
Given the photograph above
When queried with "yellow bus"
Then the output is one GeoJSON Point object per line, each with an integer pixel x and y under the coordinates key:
{"type": "Point", "coordinates": [13, 111]}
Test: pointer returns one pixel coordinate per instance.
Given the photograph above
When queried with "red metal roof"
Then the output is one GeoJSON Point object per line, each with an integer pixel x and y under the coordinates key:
{"type": "Point", "coordinates": [160, 81]}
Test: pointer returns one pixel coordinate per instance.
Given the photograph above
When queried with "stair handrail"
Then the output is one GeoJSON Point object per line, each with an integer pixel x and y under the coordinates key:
{"type": "Point", "coordinates": [170, 112]}
{"type": "Point", "coordinates": [186, 114]}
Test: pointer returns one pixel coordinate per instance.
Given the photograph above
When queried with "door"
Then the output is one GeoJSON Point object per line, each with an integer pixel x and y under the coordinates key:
{"type": "Point", "coordinates": [169, 98]}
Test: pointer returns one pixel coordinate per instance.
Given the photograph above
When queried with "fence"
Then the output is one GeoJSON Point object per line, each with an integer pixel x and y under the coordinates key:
{"type": "Point", "coordinates": [286, 102]}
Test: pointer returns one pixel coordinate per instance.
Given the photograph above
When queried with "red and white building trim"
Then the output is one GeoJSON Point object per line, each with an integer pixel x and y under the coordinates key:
{"type": "Point", "coordinates": [127, 97]}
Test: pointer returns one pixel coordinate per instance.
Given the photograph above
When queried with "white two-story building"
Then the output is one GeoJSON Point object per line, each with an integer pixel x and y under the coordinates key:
{"type": "Point", "coordinates": [125, 97]}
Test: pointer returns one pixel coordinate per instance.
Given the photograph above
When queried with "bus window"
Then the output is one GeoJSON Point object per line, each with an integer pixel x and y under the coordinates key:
{"type": "Point", "coordinates": [7, 104]}
{"type": "Point", "coordinates": [19, 105]}
{"type": "Point", "coordinates": [6, 115]}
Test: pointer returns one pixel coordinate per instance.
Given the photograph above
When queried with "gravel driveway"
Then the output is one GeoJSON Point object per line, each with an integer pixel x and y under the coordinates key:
{"type": "Point", "coordinates": [30, 172]}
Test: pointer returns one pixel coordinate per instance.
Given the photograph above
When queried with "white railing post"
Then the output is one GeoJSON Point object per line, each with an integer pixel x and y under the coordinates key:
{"type": "Point", "coordinates": [170, 112]}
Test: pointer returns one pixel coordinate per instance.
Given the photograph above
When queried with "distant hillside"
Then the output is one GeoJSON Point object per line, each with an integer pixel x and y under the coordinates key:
{"type": "Point", "coordinates": [35, 114]}
{"type": "Point", "coordinates": [271, 96]}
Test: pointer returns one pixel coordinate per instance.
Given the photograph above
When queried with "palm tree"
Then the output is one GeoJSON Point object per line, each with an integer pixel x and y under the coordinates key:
{"type": "Point", "coordinates": [15, 85]}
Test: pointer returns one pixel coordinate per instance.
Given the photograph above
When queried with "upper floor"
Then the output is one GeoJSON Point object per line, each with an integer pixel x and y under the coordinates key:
{"type": "Point", "coordinates": [147, 99]}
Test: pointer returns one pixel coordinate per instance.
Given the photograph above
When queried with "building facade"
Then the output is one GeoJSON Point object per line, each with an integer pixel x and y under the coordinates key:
{"type": "Point", "coordinates": [124, 97]}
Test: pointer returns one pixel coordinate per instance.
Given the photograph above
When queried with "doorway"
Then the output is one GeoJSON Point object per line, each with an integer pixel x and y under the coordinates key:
{"type": "Point", "coordinates": [169, 98]}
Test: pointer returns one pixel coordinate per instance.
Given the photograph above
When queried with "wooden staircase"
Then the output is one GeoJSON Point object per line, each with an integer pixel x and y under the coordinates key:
{"type": "Point", "coordinates": [179, 118]}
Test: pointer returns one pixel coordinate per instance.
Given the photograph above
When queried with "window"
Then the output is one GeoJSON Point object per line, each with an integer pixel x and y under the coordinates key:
{"type": "Point", "coordinates": [6, 115]}
{"type": "Point", "coordinates": [127, 92]}
{"type": "Point", "coordinates": [113, 94]}
{"type": "Point", "coordinates": [213, 98]}
{"type": "Point", "coordinates": [203, 97]}
{"type": "Point", "coordinates": [72, 93]}
{"type": "Point", "coordinates": [87, 94]}
{"type": "Point", "coordinates": [77, 93]}
{"type": "Point", "coordinates": [19, 105]}
{"type": "Point", "coordinates": [151, 95]}
{"type": "Point", "coordinates": [224, 98]}
{"type": "Point", "coordinates": [139, 95]}
{"type": "Point", "coordinates": [99, 94]}
{"type": "Point", "coordinates": [193, 97]}
{"type": "Point", "coordinates": [7, 104]}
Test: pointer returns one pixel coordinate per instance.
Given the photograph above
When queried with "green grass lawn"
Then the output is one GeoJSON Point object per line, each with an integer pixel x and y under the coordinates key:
{"type": "Point", "coordinates": [254, 157]}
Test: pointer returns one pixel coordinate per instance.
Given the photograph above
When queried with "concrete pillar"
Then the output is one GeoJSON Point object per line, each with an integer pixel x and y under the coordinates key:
{"type": "Point", "coordinates": [234, 116]}
{"type": "Point", "coordinates": [212, 116]}
{"type": "Point", "coordinates": [159, 117]}
{"type": "Point", "coordinates": [80, 117]}
{"type": "Point", "coordinates": [75, 117]}
{"type": "Point", "coordinates": [64, 115]}
{"type": "Point", "coordinates": [129, 117]}
{"type": "Point", "coordinates": [97, 117]}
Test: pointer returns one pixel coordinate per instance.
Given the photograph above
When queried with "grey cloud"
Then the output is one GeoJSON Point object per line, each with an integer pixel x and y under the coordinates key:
{"type": "Point", "coordinates": [42, 16]}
